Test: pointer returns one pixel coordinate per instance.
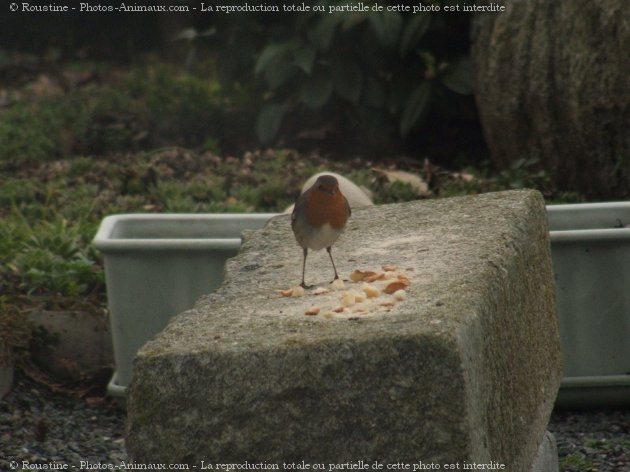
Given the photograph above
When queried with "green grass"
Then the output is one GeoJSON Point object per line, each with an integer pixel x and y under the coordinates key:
{"type": "Point", "coordinates": [575, 463]}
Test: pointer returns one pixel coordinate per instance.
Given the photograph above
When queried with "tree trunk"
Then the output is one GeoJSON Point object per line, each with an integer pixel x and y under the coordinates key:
{"type": "Point", "coordinates": [553, 82]}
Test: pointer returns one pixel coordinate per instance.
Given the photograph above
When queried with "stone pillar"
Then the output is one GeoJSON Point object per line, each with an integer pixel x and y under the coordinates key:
{"type": "Point", "coordinates": [463, 366]}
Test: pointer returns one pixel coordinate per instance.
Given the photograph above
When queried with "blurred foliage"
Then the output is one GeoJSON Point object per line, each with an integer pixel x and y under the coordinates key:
{"type": "Point", "coordinates": [152, 106]}
{"type": "Point", "coordinates": [361, 83]}
{"type": "Point", "coordinates": [370, 79]}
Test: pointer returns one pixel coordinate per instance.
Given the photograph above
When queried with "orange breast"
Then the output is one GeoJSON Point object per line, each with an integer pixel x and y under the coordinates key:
{"type": "Point", "coordinates": [322, 208]}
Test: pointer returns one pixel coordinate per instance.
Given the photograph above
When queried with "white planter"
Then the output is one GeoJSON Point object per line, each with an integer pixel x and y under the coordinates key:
{"type": "Point", "coordinates": [590, 248]}
{"type": "Point", "coordinates": [156, 266]}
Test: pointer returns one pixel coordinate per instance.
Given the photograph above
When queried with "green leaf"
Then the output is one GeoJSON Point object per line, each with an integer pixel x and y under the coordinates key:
{"type": "Point", "coordinates": [316, 91]}
{"type": "Point", "coordinates": [352, 20]}
{"type": "Point", "coordinates": [458, 76]}
{"type": "Point", "coordinates": [386, 26]}
{"type": "Point", "coordinates": [414, 31]}
{"type": "Point", "coordinates": [398, 93]}
{"type": "Point", "coordinates": [348, 79]}
{"type": "Point", "coordinates": [274, 62]}
{"type": "Point", "coordinates": [271, 55]}
{"type": "Point", "coordinates": [280, 73]}
{"type": "Point", "coordinates": [322, 35]}
{"type": "Point", "coordinates": [268, 122]}
{"type": "Point", "coordinates": [305, 58]}
{"type": "Point", "coordinates": [417, 105]}
{"type": "Point", "coordinates": [374, 93]}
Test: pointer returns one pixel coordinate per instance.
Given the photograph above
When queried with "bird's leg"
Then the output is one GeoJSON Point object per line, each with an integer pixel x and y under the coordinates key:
{"type": "Point", "coordinates": [303, 284]}
{"type": "Point", "coordinates": [333, 263]}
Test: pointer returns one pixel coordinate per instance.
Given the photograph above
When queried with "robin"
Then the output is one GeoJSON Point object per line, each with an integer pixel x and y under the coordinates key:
{"type": "Point", "coordinates": [318, 218]}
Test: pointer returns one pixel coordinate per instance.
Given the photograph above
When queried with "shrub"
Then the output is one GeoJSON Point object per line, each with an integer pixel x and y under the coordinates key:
{"type": "Point", "coordinates": [374, 75]}
{"type": "Point", "coordinates": [54, 259]}
{"type": "Point", "coordinates": [153, 106]}
{"type": "Point", "coordinates": [33, 132]}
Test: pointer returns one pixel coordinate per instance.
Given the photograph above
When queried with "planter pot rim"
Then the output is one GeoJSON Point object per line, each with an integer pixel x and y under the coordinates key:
{"type": "Point", "coordinates": [106, 242]}
{"type": "Point", "coordinates": [589, 222]}
{"type": "Point", "coordinates": [606, 391]}
{"type": "Point", "coordinates": [572, 235]}
{"type": "Point", "coordinates": [563, 207]}
{"type": "Point", "coordinates": [180, 245]}
{"type": "Point", "coordinates": [596, 381]}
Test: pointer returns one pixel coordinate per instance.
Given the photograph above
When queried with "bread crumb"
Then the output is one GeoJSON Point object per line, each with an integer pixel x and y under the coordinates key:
{"type": "Point", "coordinates": [337, 284]}
{"type": "Point", "coordinates": [320, 291]}
{"type": "Point", "coordinates": [347, 300]}
{"type": "Point", "coordinates": [296, 291]}
{"type": "Point", "coordinates": [358, 296]}
{"type": "Point", "coordinates": [370, 290]}
{"type": "Point", "coordinates": [394, 286]}
{"type": "Point", "coordinates": [358, 275]}
{"type": "Point", "coordinates": [374, 277]}
{"type": "Point", "coordinates": [404, 279]}
{"type": "Point", "coordinates": [312, 311]}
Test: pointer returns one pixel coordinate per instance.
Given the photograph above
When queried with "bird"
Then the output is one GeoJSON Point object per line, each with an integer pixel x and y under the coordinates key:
{"type": "Point", "coordinates": [319, 217]}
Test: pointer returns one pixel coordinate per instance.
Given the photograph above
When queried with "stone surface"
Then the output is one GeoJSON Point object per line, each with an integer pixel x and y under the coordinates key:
{"type": "Point", "coordinates": [465, 369]}
{"type": "Point", "coordinates": [547, 458]}
{"type": "Point", "coordinates": [80, 343]}
{"type": "Point", "coordinates": [551, 84]}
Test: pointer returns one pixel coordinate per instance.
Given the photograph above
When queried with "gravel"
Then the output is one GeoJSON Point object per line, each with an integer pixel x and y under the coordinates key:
{"type": "Point", "coordinates": [39, 427]}
{"type": "Point", "coordinates": [594, 440]}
